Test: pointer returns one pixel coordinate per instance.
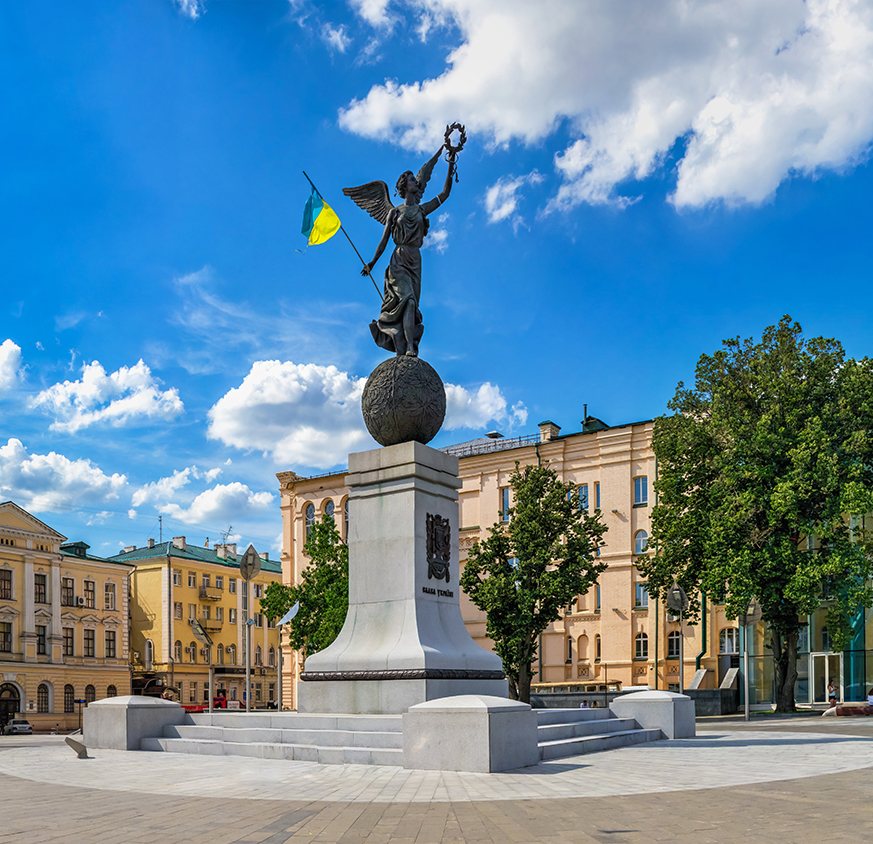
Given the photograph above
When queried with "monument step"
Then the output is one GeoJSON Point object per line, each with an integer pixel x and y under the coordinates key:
{"type": "Point", "coordinates": [564, 716]}
{"type": "Point", "coordinates": [573, 729]}
{"type": "Point", "coordinates": [297, 721]}
{"type": "Point", "coordinates": [268, 750]}
{"type": "Point", "coordinates": [314, 737]}
{"type": "Point", "coordinates": [594, 743]}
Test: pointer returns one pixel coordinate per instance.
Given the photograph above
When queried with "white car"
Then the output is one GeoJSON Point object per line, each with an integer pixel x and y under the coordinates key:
{"type": "Point", "coordinates": [18, 726]}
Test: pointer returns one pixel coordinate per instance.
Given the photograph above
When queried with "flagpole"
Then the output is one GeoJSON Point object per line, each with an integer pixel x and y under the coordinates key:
{"type": "Point", "coordinates": [347, 238]}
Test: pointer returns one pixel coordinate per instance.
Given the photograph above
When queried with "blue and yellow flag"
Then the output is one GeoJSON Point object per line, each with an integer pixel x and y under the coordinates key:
{"type": "Point", "coordinates": [320, 222]}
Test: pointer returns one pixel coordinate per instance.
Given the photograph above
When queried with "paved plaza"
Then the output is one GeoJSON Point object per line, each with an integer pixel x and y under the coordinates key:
{"type": "Point", "coordinates": [786, 780]}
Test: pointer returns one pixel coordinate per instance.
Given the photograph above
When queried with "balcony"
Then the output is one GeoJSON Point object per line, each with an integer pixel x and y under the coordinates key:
{"type": "Point", "coordinates": [211, 593]}
{"type": "Point", "coordinates": [211, 625]}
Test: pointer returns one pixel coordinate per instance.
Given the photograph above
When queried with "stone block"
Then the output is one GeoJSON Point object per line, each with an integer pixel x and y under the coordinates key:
{"type": "Point", "coordinates": [120, 723]}
{"type": "Point", "coordinates": [671, 713]}
{"type": "Point", "coordinates": [476, 733]}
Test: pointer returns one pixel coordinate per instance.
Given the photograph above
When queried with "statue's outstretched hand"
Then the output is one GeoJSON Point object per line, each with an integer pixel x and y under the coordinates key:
{"type": "Point", "coordinates": [366, 269]}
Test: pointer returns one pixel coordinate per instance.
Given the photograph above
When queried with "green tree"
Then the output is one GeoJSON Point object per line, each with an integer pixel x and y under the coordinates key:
{"type": "Point", "coordinates": [323, 591]}
{"type": "Point", "coordinates": [760, 471]}
{"type": "Point", "coordinates": [529, 569]}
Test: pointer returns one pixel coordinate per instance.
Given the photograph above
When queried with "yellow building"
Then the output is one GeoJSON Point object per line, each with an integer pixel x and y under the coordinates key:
{"type": "Point", "coordinates": [63, 623]}
{"type": "Point", "coordinates": [612, 636]}
{"type": "Point", "coordinates": [174, 583]}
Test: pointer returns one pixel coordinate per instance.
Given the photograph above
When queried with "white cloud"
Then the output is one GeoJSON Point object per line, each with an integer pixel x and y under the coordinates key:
{"type": "Point", "coordinates": [130, 395]}
{"type": "Point", "coordinates": [40, 346]}
{"type": "Point", "coordinates": [190, 8]}
{"type": "Point", "coordinates": [222, 503]}
{"type": "Point", "coordinates": [438, 239]}
{"type": "Point", "coordinates": [53, 483]}
{"type": "Point", "coordinates": [10, 364]}
{"type": "Point", "coordinates": [745, 93]}
{"type": "Point", "coordinates": [475, 409]}
{"type": "Point", "coordinates": [303, 414]}
{"type": "Point", "coordinates": [164, 489]}
{"type": "Point", "coordinates": [501, 199]}
{"type": "Point", "coordinates": [336, 38]}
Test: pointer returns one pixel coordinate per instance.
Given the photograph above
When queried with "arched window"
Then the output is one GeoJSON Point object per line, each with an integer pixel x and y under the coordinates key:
{"type": "Point", "coordinates": [641, 646]}
{"type": "Point", "coordinates": [258, 656]}
{"type": "Point", "coordinates": [329, 508]}
{"type": "Point", "coordinates": [728, 640]}
{"type": "Point", "coordinates": [597, 648]}
{"type": "Point", "coordinates": [149, 655]}
{"type": "Point", "coordinates": [346, 521]}
{"type": "Point", "coordinates": [582, 649]}
{"type": "Point", "coordinates": [111, 691]}
{"type": "Point", "coordinates": [569, 650]}
{"type": "Point", "coordinates": [221, 654]}
{"type": "Point", "coordinates": [271, 658]}
{"type": "Point", "coordinates": [310, 518]}
{"type": "Point", "coordinates": [177, 651]}
{"type": "Point", "coordinates": [674, 642]}
{"type": "Point", "coordinates": [641, 540]}
{"type": "Point", "coordinates": [90, 694]}
{"type": "Point", "coordinates": [231, 654]}
{"type": "Point", "coordinates": [192, 651]}
{"type": "Point", "coordinates": [69, 697]}
{"type": "Point", "coordinates": [42, 698]}
{"type": "Point", "coordinates": [207, 654]}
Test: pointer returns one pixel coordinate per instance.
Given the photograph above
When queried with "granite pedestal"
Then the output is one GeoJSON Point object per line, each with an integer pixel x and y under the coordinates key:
{"type": "Point", "coordinates": [404, 640]}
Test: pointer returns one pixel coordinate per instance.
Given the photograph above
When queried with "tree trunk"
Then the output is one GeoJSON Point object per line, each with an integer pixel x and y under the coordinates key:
{"type": "Point", "coordinates": [524, 679]}
{"type": "Point", "coordinates": [785, 664]}
{"type": "Point", "coordinates": [513, 687]}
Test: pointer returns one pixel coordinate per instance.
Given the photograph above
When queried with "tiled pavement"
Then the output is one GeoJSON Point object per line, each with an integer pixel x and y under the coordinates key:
{"type": "Point", "coordinates": [782, 781]}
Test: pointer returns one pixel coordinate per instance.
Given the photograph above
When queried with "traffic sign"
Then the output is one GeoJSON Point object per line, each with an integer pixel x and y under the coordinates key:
{"type": "Point", "coordinates": [250, 565]}
{"type": "Point", "coordinates": [677, 600]}
{"type": "Point", "coordinates": [752, 615]}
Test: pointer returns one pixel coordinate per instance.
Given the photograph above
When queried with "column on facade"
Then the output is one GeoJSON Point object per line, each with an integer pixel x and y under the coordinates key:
{"type": "Point", "coordinates": [54, 646]}
{"type": "Point", "coordinates": [28, 628]}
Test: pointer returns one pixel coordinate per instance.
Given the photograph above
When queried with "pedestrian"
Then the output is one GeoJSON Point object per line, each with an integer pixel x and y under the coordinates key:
{"type": "Point", "coordinates": [870, 698]}
{"type": "Point", "coordinates": [832, 693]}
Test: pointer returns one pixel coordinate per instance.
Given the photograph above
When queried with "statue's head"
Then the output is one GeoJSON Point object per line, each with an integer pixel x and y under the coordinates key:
{"type": "Point", "coordinates": [406, 181]}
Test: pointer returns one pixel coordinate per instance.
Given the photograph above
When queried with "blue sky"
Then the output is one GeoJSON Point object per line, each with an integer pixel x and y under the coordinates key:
{"type": "Point", "coordinates": [640, 182]}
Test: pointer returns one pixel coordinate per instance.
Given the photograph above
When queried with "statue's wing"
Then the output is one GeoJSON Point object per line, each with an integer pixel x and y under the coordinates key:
{"type": "Point", "coordinates": [424, 174]}
{"type": "Point", "coordinates": [373, 198]}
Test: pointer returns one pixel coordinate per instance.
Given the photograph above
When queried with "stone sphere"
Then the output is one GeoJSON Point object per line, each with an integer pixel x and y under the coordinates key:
{"type": "Point", "coordinates": [404, 400]}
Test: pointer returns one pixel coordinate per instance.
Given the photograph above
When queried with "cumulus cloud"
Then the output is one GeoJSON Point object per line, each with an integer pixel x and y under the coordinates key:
{"type": "Point", "coordinates": [744, 94]}
{"type": "Point", "coordinates": [310, 415]}
{"type": "Point", "coordinates": [53, 483]}
{"type": "Point", "coordinates": [336, 38]}
{"type": "Point", "coordinates": [10, 364]}
{"type": "Point", "coordinates": [164, 489]}
{"type": "Point", "coordinates": [222, 503]}
{"type": "Point", "coordinates": [190, 8]}
{"type": "Point", "coordinates": [475, 409]}
{"type": "Point", "coordinates": [501, 199]}
{"type": "Point", "coordinates": [438, 239]}
{"type": "Point", "coordinates": [130, 395]}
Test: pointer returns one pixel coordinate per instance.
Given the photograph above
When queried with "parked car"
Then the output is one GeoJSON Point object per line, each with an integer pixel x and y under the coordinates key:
{"type": "Point", "coordinates": [18, 726]}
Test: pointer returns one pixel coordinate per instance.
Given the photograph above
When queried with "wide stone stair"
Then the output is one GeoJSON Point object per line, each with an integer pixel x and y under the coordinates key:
{"type": "Point", "coordinates": [573, 732]}
{"type": "Point", "coordinates": [329, 739]}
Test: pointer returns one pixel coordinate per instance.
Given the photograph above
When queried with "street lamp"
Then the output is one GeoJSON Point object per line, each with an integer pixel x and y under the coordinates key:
{"type": "Point", "coordinates": [249, 567]}
{"type": "Point", "coordinates": [678, 601]}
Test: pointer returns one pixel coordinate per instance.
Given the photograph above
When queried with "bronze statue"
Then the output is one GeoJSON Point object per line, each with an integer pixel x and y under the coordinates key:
{"type": "Point", "coordinates": [399, 327]}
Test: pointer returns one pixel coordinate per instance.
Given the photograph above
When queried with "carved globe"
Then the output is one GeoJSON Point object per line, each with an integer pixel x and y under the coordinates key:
{"type": "Point", "coordinates": [404, 400]}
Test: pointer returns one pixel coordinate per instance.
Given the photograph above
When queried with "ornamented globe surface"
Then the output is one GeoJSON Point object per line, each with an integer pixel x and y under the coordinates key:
{"type": "Point", "coordinates": [404, 400]}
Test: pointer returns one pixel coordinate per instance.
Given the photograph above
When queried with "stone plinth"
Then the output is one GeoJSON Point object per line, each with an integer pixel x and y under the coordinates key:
{"type": "Point", "coordinates": [119, 723]}
{"type": "Point", "coordinates": [470, 733]}
{"type": "Point", "coordinates": [669, 712]}
{"type": "Point", "coordinates": [404, 640]}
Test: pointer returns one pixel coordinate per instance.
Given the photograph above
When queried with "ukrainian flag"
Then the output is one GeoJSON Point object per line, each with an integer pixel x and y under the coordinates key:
{"type": "Point", "coordinates": [320, 222]}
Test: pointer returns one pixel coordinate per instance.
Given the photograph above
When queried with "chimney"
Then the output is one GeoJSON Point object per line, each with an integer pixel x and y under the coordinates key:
{"type": "Point", "coordinates": [221, 550]}
{"type": "Point", "coordinates": [129, 548]}
{"type": "Point", "coordinates": [230, 547]}
{"type": "Point", "coordinates": [179, 542]}
{"type": "Point", "coordinates": [548, 431]}
{"type": "Point", "coordinates": [264, 555]}
{"type": "Point", "coordinates": [150, 543]}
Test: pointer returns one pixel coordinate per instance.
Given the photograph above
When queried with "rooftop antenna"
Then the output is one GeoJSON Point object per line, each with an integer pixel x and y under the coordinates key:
{"type": "Point", "coordinates": [161, 528]}
{"type": "Point", "coordinates": [225, 534]}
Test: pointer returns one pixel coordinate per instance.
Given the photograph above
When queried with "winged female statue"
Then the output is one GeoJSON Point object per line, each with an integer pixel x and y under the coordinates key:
{"type": "Point", "coordinates": [399, 327]}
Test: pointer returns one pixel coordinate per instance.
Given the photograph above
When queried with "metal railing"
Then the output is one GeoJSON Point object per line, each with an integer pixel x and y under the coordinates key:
{"type": "Point", "coordinates": [487, 446]}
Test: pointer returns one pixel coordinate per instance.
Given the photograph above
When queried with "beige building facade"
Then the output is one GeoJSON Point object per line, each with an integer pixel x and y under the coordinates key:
{"type": "Point", "coordinates": [614, 636]}
{"type": "Point", "coordinates": [63, 623]}
{"type": "Point", "coordinates": [174, 583]}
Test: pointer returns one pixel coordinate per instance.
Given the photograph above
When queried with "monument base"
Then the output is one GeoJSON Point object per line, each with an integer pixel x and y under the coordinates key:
{"type": "Point", "coordinates": [386, 697]}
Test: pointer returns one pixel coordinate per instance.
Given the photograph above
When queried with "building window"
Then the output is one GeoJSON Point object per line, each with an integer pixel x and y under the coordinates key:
{"type": "Point", "coordinates": [231, 654]}
{"type": "Point", "coordinates": [231, 585]}
{"type": "Point", "coordinates": [569, 650]}
{"type": "Point", "coordinates": [192, 579]}
{"type": "Point", "coordinates": [69, 697]}
{"type": "Point", "coordinates": [583, 497]}
{"type": "Point", "coordinates": [192, 611]}
{"type": "Point", "coordinates": [221, 654]}
{"type": "Point", "coordinates": [219, 581]}
{"type": "Point", "coordinates": [597, 598]}
{"type": "Point", "coordinates": [5, 637]}
{"type": "Point", "coordinates": [271, 658]}
{"type": "Point", "coordinates": [42, 698]}
{"type": "Point", "coordinates": [825, 639]}
{"type": "Point", "coordinates": [231, 615]}
{"type": "Point", "coordinates": [88, 643]}
{"type": "Point", "coordinates": [219, 613]}
{"type": "Point", "coordinates": [40, 589]}
{"type": "Point", "coordinates": [728, 641]}
{"type": "Point", "coordinates": [5, 585]}
{"type": "Point", "coordinates": [68, 592]}
{"type": "Point", "coordinates": [40, 640]}
{"type": "Point", "coordinates": [641, 491]}
{"type": "Point", "coordinates": [111, 691]}
{"type": "Point", "coordinates": [271, 692]}
{"type": "Point", "coordinates": [641, 646]}
{"type": "Point", "coordinates": [192, 651]}
{"type": "Point", "coordinates": [177, 610]}
{"type": "Point", "coordinates": [641, 540]}
{"type": "Point", "coordinates": [206, 613]}
{"type": "Point", "coordinates": [271, 623]}
{"type": "Point", "coordinates": [177, 651]}
{"type": "Point", "coordinates": [109, 644]}
{"type": "Point", "coordinates": [149, 654]}
{"type": "Point", "coordinates": [90, 593]}
{"type": "Point", "coordinates": [597, 495]}
{"type": "Point", "coordinates": [346, 521]}
{"type": "Point", "coordinates": [597, 648]}
{"type": "Point", "coordinates": [206, 580]}
{"type": "Point", "coordinates": [310, 518]}
{"type": "Point", "coordinates": [257, 691]}
{"type": "Point", "coordinates": [504, 504]}
{"type": "Point", "coordinates": [192, 692]}
{"type": "Point", "coordinates": [90, 694]}
{"type": "Point", "coordinates": [329, 510]}
{"type": "Point", "coordinates": [258, 658]}
{"type": "Point", "coordinates": [642, 594]}
{"type": "Point", "coordinates": [177, 577]}
{"type": "Point", "coordinates": [259, 590]}
{"type": "Point", "coordinates": [674, 643]}
{"type": "Point", "coordinates": [108, 596]}
{"type": "Point", "coordinates": [68, 641]}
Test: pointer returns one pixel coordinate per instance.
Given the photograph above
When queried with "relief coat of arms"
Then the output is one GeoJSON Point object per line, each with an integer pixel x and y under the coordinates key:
{"type": "Point", "coordinates": [439, 547]}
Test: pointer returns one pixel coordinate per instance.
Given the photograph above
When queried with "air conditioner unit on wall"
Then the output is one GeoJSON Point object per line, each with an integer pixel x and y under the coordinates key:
{"type": "Point", "coordinates": [80, 602]}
